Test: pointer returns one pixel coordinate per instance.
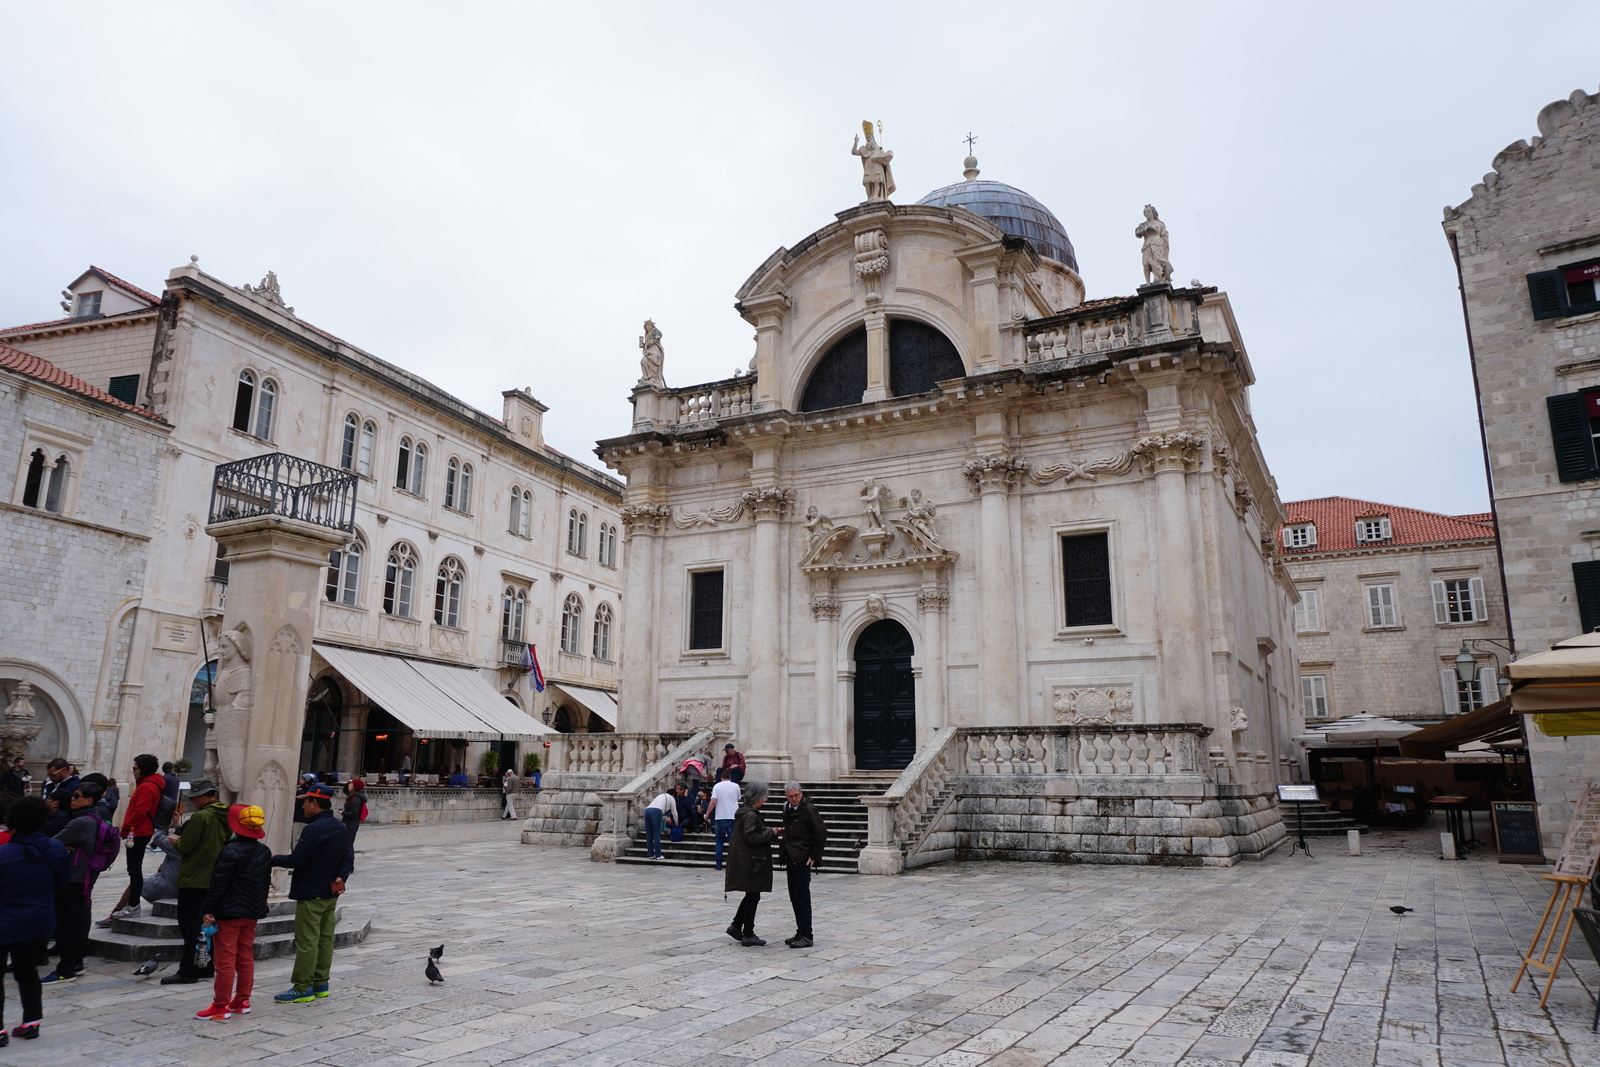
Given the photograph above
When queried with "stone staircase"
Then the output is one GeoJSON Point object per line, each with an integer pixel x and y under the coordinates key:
{"type": "Point", "coordinates": [839, 804]}
{"type": "Point", "coordinates": [1321, 821]}
{"type": "Point", "coordinates": [155, 933]}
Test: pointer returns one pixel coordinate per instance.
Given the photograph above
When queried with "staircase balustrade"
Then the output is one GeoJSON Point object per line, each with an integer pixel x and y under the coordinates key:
{"type": "Point", "coordinates": [620, 807]}
{"type": "Point", "coordinates": [609, 753]}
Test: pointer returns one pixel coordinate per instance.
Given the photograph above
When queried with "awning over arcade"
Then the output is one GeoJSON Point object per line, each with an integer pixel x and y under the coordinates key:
{"type": "Point", "coordinates": [434, 699]}
{"type": "Point", "coordinates": [598, 701]}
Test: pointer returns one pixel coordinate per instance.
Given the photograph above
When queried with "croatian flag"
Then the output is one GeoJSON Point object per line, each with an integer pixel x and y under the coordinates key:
{"type": "Point", "coordinates": [530, 663]}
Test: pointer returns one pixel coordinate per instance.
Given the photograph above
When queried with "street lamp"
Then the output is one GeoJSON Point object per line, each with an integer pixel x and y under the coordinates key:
{"type": "Point", "coordinates": [1466, 665]}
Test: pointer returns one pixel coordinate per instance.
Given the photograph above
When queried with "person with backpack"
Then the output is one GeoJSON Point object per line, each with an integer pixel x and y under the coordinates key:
{"type": "Point", "coordinates": [138, 826]}
{"type": "Point", "coordinates": [33, 868]}
{"type": "Point", "coordinates": [92, 845]}
{"type": "Point", "coordinates": [236, 900]}
{"type": "Point", "coordinates": [202, 839]}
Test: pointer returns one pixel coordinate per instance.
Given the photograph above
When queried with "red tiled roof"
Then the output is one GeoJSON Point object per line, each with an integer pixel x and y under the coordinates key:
{"type": "Point", "coordinates": [28, 327]}
{"type": "Point", "coordinates": [16, 359]}
{"type": "Point", "coordinates": [128, 287]}
{"type": "Point", "coordinates": [1335, 518]}
{"type": "Point", "coordinates": [1478, 516]}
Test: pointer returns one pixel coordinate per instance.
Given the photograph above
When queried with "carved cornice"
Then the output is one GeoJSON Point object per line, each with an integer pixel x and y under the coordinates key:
{"type": "Point", "coordinates": [995, 473]}
{"type": "Point", "coordinates": [644, 519]}
{"type": "Point", "coordinates": [1180, 451]}
{"type": "Point", "coordinates": [844, 549]}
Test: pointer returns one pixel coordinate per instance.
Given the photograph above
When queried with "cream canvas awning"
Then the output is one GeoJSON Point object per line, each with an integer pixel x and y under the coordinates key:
{"type": "Point", "coordinates": [436, 700]}
{"type": "Point", "coordinates": [598, 701]}
{"type": "Point", "coordinates": [1560, 688]}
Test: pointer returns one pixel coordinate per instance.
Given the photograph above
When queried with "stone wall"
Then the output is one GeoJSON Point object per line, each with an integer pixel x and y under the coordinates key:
{"type": "Point", "coordinates": [394, 806]}
{"type": "Point", "coordinates": [566, 810]}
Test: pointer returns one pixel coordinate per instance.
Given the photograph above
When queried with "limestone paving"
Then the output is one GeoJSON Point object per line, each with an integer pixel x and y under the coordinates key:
{"type": "Point", "coordinates": [553, 960]}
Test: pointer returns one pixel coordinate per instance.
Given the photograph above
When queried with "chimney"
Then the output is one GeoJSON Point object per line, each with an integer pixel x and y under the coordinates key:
{"type": "Point", "coordinates": [524, 417]}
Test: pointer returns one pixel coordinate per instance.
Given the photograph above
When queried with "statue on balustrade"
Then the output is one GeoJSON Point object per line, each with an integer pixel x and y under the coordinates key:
{"type": "Point", "coordinates": [1156, 267]}
{"type": "Point", "coordinates": [876, 175]}
{"type": "Point", "coordinates": [650, 363]}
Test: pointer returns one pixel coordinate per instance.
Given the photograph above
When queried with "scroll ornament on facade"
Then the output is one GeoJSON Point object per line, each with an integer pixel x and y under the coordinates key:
{"type": "Point", "coordinates": [1068, 470]}
{"type": "Point", "coordinates": [766, 502]}
{"type": "Point", "coordinates": [1094, 706]}
{"type": "Point", "coordinates": [872, 261]}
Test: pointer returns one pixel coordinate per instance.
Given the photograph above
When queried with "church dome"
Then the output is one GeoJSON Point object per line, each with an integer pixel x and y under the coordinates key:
{"type": "Point", "coordinates": [1014, 211]}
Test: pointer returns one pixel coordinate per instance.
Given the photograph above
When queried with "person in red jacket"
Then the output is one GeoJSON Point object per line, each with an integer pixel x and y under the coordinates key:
{"type": "Point", "coordinates": [733, 763]}
{"type": "Point", "coordinates": [137, 827]}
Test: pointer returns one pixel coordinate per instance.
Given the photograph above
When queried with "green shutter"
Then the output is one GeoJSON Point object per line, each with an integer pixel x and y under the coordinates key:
{"type": "Point", "coordinates": [1546, 290]}
{"type": "Point", "coordinates": [125, 387]}
{"type": "Point", "coordinates": [1586, 579]}
{"type": "Point", "coordinates": [1569, 431]}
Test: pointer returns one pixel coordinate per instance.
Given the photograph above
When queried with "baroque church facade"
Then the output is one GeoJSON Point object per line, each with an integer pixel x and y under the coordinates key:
{"type": "Point", "coordinates": [952, 492]}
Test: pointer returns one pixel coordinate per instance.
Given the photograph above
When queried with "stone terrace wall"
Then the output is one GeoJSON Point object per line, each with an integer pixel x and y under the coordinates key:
{"type": "Point", "coordinates": [567, 809]}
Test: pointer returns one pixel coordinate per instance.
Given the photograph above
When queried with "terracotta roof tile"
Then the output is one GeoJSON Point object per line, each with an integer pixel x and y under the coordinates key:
{"type": "Point", "coordinates": [15, 359]}
{"type": "Point", "coordinates": [1335, 518]}
{"type": "Point", "coordinates": [128, 287]}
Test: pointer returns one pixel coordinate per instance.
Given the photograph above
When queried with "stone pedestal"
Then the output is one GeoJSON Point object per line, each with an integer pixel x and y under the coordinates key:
{"type": "Point", "coordinates": [275, 582]}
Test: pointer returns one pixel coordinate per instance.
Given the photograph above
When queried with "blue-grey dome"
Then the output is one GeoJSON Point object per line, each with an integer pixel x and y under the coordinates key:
{"type": "Point", "coordinates": [1014, 211]}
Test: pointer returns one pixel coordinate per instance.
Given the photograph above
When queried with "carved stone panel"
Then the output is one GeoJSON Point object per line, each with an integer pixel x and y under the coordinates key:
{"type": "Point", "coordinates": [1092, 705]}
{"type": "Point", "coordinates": [704, 713]}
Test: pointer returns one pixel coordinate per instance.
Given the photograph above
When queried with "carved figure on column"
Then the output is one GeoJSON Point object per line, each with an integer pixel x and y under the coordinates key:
{"type": "Point", "coordinates": [1156, 267]}
{"type": "Point", "coordinates": [817, 524]}
{"type": "Point", "coordinates": [872, 494]}
{"type": "Point", "coordinates": [877, 607]}
{"type": "Point", "coordinates": [233, 700]}
{"type": "Point", "coordinates": [824, 606]}
{"type": "Point", "coordinates": [652, 359]}
{"type": "Point", "coordinates": [919, 513]}
{"type": "Point", "coordinates": [20, 728]}
{"type": "Point", "coordinates": [876, 175]}
{"type": "Point", "coordinates": [768, 502]}
{"type": "Point", "coordinates": [1169, 451]}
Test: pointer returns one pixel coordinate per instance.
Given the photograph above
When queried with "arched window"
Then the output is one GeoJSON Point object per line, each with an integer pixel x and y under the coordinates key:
{"type": "Point", "coordinates": [369, 439]}
{"type": "Point", "coordinates": [602, 632]}
{"type": "Point", "coordinates": [464, 489]}
{"type": "Point", "coordinates": [572, 625]}
{"type": "Point", "coordinates": [347, 447]}
{"type": "Point", "coordinates": [35, 481]}
{"type": "Point", "coordinates": [513, 610]}
{"type": "Point", "coordinates": [572, 530]}
{"type": "Point", "coordinates": [447, 594]}
{"type": "Point", "coordinates": [402, 465]}
{"type": "Point", "coordinates": [608, 544]}
{"type": "Point", "coordinates": [400, 580]}
{"type": "Point", "coordinates": [583, 533]}
{"type": "Point", "coordinates": [344, 574]}
{"type": "Point", "coordinates": [514, 518]}
{"type": "Point", "coordinates": [419, 469]}
{"type": "Point", "coordinates": [244, 402]}
{"type": "Point", "coordinates": [452, 476]}
{"type": "Point", "coordinates": [919, 356]}
{"type": "Point", "coordinates": [840, 376]}
{"type": "Point", "coordinates": [56, 495]}
{"type": "Point", "coordinates": [526, 522]}
{"type": "Point", "coordinates": [265, 405]}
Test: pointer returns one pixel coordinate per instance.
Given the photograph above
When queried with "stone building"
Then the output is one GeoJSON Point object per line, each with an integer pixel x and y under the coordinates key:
{"type": "Point", "coordinates": [76, 547]}
{"type": "Point", "coordinates": [473, 539]}
{"type": "Point", "coordinates": [1388, 598]}
{"type": "Point", "coordinates": [958, 519]}
{"type": "Point", "coordinates": [1527, 247]}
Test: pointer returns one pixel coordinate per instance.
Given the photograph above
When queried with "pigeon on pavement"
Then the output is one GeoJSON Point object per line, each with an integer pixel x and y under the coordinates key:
{"type": "Point", "coordinates": [432, 973]}
{"type": "Point", "coordinates": [1399, 910]}
{"type": "Point", "coordinates": [436, 952]}
{"type": "Point", "coordinates": [148, 967]}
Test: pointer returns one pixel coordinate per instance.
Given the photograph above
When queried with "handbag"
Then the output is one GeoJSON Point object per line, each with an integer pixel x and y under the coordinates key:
{"type": "Point", "coordinates": [202, 947]}
{"type": "Point", "coordinates": [677, 832]}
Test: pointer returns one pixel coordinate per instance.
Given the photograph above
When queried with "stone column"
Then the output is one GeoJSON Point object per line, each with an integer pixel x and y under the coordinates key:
{"type": "Point", "coordinates": [766, 313]}
{"type": "Point", "coordinates": [993, 477]}
{"type": "Point", "coordinates": [642, 525]}
{"type": "Point", "coordinates": [762, 719]}
{"type": "Point", "coordinates": [877, 357]}
{"type": "Point", "coordinates": [826, 755]}
{"type": "Point", "coordinates": [1184, 648]}
{"type": "Point", "coordinates": [933, 601]}
{"type": "Point", "coordinates": [274, 586]}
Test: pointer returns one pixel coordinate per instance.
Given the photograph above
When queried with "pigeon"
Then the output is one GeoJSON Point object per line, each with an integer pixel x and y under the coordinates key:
{"type": "Point", "coordinates": [148, 967]}
{"type": "Point", "coordinates": [432, 973]}
{"type": "Point", "coordinates": [435, 953]}
{"type": "Point", "coordinates": [1399, 909]}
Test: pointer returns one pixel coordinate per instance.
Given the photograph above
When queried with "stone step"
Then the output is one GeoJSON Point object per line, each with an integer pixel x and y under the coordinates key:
{"type": "Point", "coordinates": [158, 928]}
{"type": "Point", "coordinates": [352, 929]}
{"type": "Point", "coordinates": [167, 909]}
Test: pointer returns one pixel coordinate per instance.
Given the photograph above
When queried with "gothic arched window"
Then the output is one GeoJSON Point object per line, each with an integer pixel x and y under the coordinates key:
{"type": "Point", "coordinates": [447, 594]}
{"type": "Point", "coordinates": [400, 580]}
{"type": "Point", "coordinates": [602, 632]}
{"type": "Point", "coordinates": [572, 625]}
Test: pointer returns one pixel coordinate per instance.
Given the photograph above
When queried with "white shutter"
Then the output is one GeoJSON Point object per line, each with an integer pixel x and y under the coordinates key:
{"type": "Point", "coordinates": [1441, 603]}
{"type": "Point", "coordinates": [1312, 599]}
{"type": "Point", "coordinates": [1488, 685]}
{"type": "Point", "coordinates": [1374, 607]}
{"type": "Point", "coordinates": [1391, 617]}
{"type": "Point", "coordinates": [1452, 691]}
{"type": "Point", "coordinates": [1311, 533]}
{"type": "Point", "coordinates": [1480, 606]}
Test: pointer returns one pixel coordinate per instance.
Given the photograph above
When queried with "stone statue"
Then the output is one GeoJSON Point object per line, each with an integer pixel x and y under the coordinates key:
{"type": "Point", "coordinates": [1156, 267]}
{"type": "Point", "coordinates": [817, 524]}
{"type": "Point", "coordinates": [919, 513]}
{"type": "Point", "coordinates": [233, 700]}
{"type": "Point", "coordinates": [872, 494]}
{"type": "Point", "coordinates": [650, 364]}
{"type": "Point", "coordinates": [875, 173]}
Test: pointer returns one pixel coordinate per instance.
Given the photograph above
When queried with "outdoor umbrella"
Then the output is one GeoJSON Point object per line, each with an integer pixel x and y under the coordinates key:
{"type": "Point", "coordinates": [1360, 730]}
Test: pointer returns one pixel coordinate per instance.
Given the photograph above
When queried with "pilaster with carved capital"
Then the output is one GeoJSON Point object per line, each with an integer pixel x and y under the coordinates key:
{"type": "Point", "coordinates": [644, 519]}
{"type": "Point", "coordinates": [824, 607]}
{"type": "Point", "coordinates": [999, 472]}
{"type": "Point", "coordinates": [1180, 451]}
{"type": "Point", "coordinates": [768, 503]}
{"type": "Point", "coordinates": [934, 599]}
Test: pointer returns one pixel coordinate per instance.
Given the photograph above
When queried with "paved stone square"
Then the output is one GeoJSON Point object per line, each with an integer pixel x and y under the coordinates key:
{"type": "Point", "coordinates": [551, 959]}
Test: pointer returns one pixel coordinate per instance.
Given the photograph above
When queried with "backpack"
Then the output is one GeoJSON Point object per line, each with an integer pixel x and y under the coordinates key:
{"type": "Point", "coordinates": [107, 844]}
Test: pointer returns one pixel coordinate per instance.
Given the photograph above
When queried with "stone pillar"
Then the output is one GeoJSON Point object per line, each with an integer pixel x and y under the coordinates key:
{"type": "Point", "coordinates": [274, 587]}
{"type": "Point", "coordinates": [642, 525]}
{"type": "Point", "coordinates": [826, 757]}
{"type": "Point", "coordinates": [933, 601]}
{"type": "Point", "coordinates": [1184, 648]}
{"type": "Point", "coordinates": [993, 478]}
{"type": "Point", "coordinates": [877, 357]}
{"type": "Point", "coordinates": [761, 722]}
{"type": "Point", "coordinates": [766, 314]}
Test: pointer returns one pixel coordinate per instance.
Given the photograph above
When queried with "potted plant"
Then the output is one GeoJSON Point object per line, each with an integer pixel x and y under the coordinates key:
{"type": "Point", "coordinates": [489, 765]}
{"type": "Point", "coordinates": [183, 765]}
{"type": "Point", "coordinates": [530, 768]}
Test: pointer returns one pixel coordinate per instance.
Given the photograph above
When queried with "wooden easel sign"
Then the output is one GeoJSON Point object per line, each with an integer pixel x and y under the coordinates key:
{"type": "Point", "coordinates": [1516, 831]}
{"type": "Point", "coordinates": [1579, 853]}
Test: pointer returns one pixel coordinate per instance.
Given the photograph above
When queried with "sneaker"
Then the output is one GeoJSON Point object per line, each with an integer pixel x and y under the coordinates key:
{"type": "Point", "coordinates": [240, 1006]}
{"type": "Point", "coordinates": [26, 1032]}
{"type": "Point", "coordinates": [295, 995]}
{"type": "Point", "coordinates": [319, 989]}
{"type": "Point", "coordinates": [218, 1012]}
{"type": "Point", "coordinates": [751, 941]}
{"type": "Point", "coordinates": [105, 924]}
{"type": "Point", "coordinates": [132, 911]}
{"type": "Point", "coordinates": [799, 942]}
{"type": "Point", "coordinates": [5, 1039]}
{"type": "Point", "coordinates": [58, 978]}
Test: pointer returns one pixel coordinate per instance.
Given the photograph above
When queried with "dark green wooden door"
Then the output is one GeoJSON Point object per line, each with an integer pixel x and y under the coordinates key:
{"type": "Point", "coordinates": [886, 699]}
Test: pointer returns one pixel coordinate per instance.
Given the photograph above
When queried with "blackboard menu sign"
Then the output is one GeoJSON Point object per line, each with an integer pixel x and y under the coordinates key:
{"type": "Point", "coordinates": [1516, 831]}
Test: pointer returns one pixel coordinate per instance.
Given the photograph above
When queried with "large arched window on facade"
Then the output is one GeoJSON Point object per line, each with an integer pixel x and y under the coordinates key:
{"type": "Point", "coordinates": [447, 594]}
{"type": "Point", "coordinates": [572, 625]}
{"type": "Point", "coordinates": [369, 440]}
{"type": "Point", "coordinates": [513, 610]}
{"type": "Point", "coordinates": [602, 632]}
{"type": "Point", "coordinates": [344, 574]}
{"type": "Point", "coordinates": [400, 580]}
{"type": "Point", "coordinates": [919, 356]}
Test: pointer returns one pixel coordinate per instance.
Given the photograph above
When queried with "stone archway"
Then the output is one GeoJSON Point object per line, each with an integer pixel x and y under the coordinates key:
{"type": "Point", "coordinates": [885, 697]}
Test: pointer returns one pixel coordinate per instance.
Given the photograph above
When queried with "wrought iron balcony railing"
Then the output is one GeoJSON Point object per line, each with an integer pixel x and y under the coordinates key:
{"type": "Point", "coordinates": [279, 484]}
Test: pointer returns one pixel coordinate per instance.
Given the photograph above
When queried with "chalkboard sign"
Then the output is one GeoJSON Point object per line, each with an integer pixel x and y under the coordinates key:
{"type": "Point", "coordinates": [1516, 831]}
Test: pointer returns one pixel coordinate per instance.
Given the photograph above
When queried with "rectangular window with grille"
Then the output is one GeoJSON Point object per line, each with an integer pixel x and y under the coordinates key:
{"type": "Point", "coordinates": [1381, 611]}
{"type": "Point", "coordinates": [1314, 695]}
{"type": "Point", "coordinates": [705, 610]}
{"type": "Point", "coordinates": [1086, 579]}
{"type": "Point", "coordinates": [1308, 613]}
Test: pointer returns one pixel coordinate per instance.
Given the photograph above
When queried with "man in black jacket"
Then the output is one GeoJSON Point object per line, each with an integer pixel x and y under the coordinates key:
{"type": "Point", "coordinates": [804, 837]}
{"type": "Point", "coordinates": [322, 859]}
{"type": "Point", "coordinates": [16, 778]}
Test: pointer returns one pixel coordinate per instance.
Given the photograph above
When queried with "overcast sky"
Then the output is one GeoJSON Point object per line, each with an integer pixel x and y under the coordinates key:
{"type": "Point", "coordinates": [496, 195]}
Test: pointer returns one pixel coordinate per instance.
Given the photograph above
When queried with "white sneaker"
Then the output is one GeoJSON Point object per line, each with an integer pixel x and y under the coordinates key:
{"type": "Point", "coordinates": [132, 911]}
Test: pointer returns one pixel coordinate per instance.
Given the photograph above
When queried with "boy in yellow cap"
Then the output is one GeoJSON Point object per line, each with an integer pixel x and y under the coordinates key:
{"type": "Point", "coordinates": [237, 898]}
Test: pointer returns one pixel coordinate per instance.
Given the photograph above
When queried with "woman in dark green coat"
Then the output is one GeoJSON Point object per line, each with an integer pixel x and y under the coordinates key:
{"type": "Point", "coordinates": [750, 865]}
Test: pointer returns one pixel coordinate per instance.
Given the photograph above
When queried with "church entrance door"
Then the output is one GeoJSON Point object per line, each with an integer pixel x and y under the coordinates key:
{"type": "Point", "coordinates": [886, 699]}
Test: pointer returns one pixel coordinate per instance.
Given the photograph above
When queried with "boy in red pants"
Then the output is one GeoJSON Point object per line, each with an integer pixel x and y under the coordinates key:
{"type": "Point", "coordinates": [237, 898]}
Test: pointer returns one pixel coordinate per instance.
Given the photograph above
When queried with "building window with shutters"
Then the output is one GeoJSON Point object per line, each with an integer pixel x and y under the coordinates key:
{"type": "Point", "coordinates": [1570, 290]}
{"type": "Point", "coordinates": [447, 593]}
{"type": "Point", "coordinates": [513, 610]}
{"type": "Point", "coordinates": [1308, 613]}
{"type": "Point", "coordinates": [1459, 600]}
{"type": "Point", "coordinates": [1086, 580]}
{"type": "Point", "coordinates": [344, 574]}
{"type": "Point", "coordinates": [1300, 535]}
{"type": "Point", "coordinates": [706, 610]}
{"type": "Point", "coordinates": [1381, 611]}
{"type": "Point", "coordinates": [602, 632]}
{"type": "Point", "coordinates": [1574, 428]}
{"type": "Point", "coordinates": [349, 443]}
{"type": "Point", "coordinates": [1314, 695]}
{"type": "Point", "coordinates": [1586, 584]}
{"type": "Point", "coordinates": [125, 387]}
{"type": "Point", "coordinates": [399, 580]}
{"type": "Point", "coordinates": [1372, 529]}
{"type": "Point", "coordinates": [1459, 697]}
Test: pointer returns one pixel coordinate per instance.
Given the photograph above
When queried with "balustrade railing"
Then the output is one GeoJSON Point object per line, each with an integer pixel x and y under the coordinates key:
{"type": "Point", "coordinates": [281, 484]}
{"type": "Point", "coordinates": [609, 753]}
{"type": "Point", "coordinates": [711, 401]}
{"type": "Point", "coordinates": [620, 808]}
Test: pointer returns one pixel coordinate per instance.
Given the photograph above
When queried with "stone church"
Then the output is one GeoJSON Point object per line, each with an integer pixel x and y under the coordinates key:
{"type": "Point", "coordinates": [951, 492]}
